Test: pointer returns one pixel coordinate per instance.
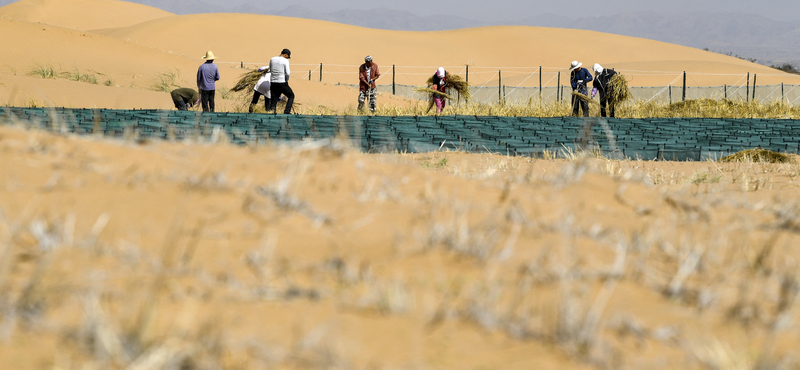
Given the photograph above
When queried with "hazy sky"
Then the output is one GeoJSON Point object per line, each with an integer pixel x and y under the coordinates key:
{"type": "Point", "coordinates": [491, 10]}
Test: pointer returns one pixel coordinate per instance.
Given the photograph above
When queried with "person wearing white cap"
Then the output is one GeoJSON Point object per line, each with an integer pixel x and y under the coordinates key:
{"type": "Point", "coordinates": [262, 88]}
{"type": "Point", "coordinates": [601, 84]}
{"type": "Point", "coordinates": [579, 77]}
{"type": "Point", "coordinates": [368, 72]}
{"type": "Point", "coordinates": [207, 75]}
{"type": "Point", "coordinates": [439, 84]}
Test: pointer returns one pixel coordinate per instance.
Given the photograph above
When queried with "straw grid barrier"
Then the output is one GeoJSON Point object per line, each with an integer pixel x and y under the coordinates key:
{"type": "Point", "coordinates": [657, 138]}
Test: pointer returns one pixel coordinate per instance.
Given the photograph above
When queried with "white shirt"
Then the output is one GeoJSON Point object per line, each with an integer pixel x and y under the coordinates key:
{"type": "Point", "coordinates": [279, 69]}
{"type": "Point", "coordinates": [263, 85]}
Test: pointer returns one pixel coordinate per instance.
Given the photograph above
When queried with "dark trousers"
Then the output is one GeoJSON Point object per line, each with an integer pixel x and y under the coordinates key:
{"type": "Point", "coordinates": [603, 105]}
{"type": "Point", "coordinates": [207, 99]}
{"type": "Point", "coordinates": [179, 103]}
{"type": "Point", "coordinates": [278, 88]}
{"type": "Point", "coordinates": [257, 95]}
{"type": "Point", "coordinates": [580, 103]}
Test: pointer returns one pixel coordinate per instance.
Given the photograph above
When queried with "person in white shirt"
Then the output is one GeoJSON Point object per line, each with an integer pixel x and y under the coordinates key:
{"type": "Point", "coordinates": [262, 88]}
{"type": "Point", "coordinates": [279, 80]}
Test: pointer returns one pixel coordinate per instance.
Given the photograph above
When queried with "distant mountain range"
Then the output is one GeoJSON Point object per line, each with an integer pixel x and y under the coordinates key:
{"type": "Point", "coordinates": [748, 36]}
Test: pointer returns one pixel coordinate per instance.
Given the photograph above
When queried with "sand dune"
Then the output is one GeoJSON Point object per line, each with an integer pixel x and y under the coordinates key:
{"type": "Point", "coordinates": [130, 70]}
{"type": "Point", "coordinates": [313, 42]}
{"type": "Point", "coordinates": [157, 254]}
{"type": "Point", "coordinates": [81, 14]}
{"type": "Point", "coordinates": [132, 47]}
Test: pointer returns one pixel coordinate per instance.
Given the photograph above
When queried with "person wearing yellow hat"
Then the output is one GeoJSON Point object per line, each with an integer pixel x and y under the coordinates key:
{"type": "Point", "coordinates": [579, 77]}
{"type": "Point", "coordinates": [207, 75]}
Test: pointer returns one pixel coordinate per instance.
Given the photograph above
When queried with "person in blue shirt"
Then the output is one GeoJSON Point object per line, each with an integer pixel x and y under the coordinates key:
{"type": "Point", "coordinates": [579, 77]}
{"type": "Point", "coordinates": [207, 75]}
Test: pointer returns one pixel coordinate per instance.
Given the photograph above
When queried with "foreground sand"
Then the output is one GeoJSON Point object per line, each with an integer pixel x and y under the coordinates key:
{"type": "Point", "coordinates": [204, 255]}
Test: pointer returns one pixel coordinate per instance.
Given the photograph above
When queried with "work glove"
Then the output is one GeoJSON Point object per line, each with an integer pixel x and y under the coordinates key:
{"type": "Point", "coordinates": [594, 91]}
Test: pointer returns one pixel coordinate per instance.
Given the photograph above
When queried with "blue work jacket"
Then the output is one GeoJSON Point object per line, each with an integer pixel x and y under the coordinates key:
{"type": "Point", "coordinates": [580, 74]}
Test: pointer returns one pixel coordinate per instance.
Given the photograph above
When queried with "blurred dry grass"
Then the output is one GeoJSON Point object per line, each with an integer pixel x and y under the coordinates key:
{"type": "Point", "coordinates": [315, 256]}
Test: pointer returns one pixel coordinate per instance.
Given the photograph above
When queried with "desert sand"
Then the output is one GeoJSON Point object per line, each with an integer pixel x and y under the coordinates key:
{"type": "Point", "coordinates": [137, 254]}
{"type": "Point", "coordinates": [133, 48]}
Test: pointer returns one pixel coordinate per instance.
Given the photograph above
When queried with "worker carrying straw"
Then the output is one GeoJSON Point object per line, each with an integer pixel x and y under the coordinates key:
{"type": "Point", "coordinates": [439, 84]}
{"type": "Point", "coordinates": [613, 89]}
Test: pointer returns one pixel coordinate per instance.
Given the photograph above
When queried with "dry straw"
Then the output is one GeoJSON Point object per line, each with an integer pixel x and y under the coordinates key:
{"type": "Point", "coordinates": [758, 155]}
{"type": "Point", "coordinates": [248, 80]}
{"type": "Point", "coordinates": [584, 97]}
{"type": "Point", "coordinates": [618, 91]}
{"type": "Point", "coordinates": [455, 82]}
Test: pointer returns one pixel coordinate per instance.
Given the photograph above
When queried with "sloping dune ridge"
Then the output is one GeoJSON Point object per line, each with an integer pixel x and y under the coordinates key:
{"type": "Point", "coordinates": [83, 14]}
{"type": "Point", "coordinates": [131, 48]}
{"type": "Point", "coordinates": [159, 255]}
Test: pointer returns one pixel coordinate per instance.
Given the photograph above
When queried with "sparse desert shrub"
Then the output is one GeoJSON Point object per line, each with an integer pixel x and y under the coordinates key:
{"type": "Point", "coordinates": [43, 71]}
{"type": "Point", "coordinates": [166, 81]}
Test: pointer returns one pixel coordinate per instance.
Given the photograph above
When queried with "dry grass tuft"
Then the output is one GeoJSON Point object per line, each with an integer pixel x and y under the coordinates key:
{"type": "Point", "coordinates": [758, 155]}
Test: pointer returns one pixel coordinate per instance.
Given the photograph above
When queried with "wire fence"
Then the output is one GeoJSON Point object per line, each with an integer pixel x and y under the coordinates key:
{"type": "Point", "coordinates": [523, 85]}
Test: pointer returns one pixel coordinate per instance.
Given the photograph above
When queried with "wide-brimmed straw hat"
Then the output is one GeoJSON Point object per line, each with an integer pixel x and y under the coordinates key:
{"type": "Point", "coordinates": [209, 55]}
{"type": "Point", "coordinates": [575, 65]}
{"type": "Point", "coordinates": [597, 68]}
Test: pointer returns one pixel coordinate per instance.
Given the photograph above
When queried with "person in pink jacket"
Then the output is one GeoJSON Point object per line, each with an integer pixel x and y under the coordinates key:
{"type": "Point", "coordinates": [367, 74]}
{"type": "Point", "coordinates": [439, 84]}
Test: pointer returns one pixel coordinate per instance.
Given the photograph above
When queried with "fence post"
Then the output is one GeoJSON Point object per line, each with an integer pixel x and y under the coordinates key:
{"type": "Point", "coordinates": [467, 73]}
{"type": "Point", "coordinates": [241, 64]}
{"type": "Point", "coordinates": [393, 80]}
{"type": "Point", "coordinates": [540, 84]}
{"type": "Point", "coordinates": [725, 88]}
{"type": "Point", "coordinates": [782, 97]}
{"type": "Point", "coordinates": [754, 86]}
{"type": "Point", "coordinates": [558, 87]}
{"type": "Point", "coordinates": [747, 93]}
{"type": "Point", "coordinates": [320, 72]}
{"type": "Point", "coordinates": [309, 75]}
{"type": "Point", "coordinates": [683, 93]}
{"type": "Point", "coordinates": [500, 86]}
{"type": "Point", "coordinates": [670, 94]}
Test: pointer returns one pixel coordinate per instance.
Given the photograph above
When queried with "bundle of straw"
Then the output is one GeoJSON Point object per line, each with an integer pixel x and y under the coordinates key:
{"type": "Point", "coordinates": [433, 92]}
{"type": "Point", "coordinates": [247, 81]}
{"type": "Point", "coordinates": [456, 83]}
{"type": "Point", "coordinates": [618, 91]}
{"type": "Point", "coordinates": [584, 97]}
{"type": "Point", "coordinates": [758, 155]}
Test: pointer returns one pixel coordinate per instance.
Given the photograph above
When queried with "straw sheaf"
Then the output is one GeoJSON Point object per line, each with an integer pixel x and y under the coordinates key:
{"type": "Point", "coordinates": [758, 155]}
{"type": "Point", "coordinates": [455, 82]}
{"type": "Point", "coordinates": [584, 97]}
{"type": "Point", "coordinates": [248, 80]}
{"type": "Point", "coordinates": [618, 91]}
